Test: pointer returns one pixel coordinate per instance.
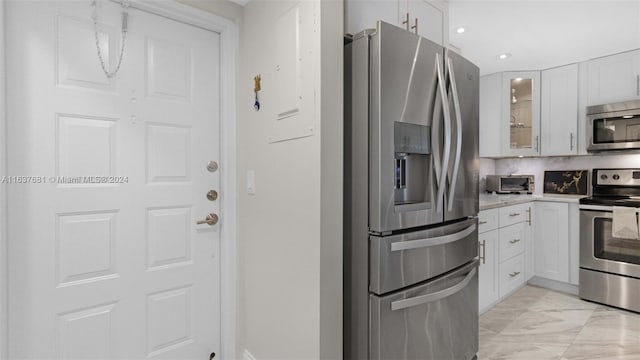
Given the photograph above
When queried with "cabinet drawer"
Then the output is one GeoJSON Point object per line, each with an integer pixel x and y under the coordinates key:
{"type": "Point", "coordinates": [511, 274]}
{"type": "Point", "coordinates": [488, 220]}
{"type": "Point", "coordinates": [510, 215]}
{"type": "Point", "coordinates": [511, 241]}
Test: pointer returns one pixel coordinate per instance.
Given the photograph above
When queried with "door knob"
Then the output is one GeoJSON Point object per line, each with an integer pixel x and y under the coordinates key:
{"type": "Point", "coordinates": [211, 220]}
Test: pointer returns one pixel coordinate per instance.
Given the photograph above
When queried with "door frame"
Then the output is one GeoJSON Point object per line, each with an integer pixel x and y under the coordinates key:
{"type": "Point", "coordinates": [3, 196]}
{"type": "Point", "coordinates": [228, 48]}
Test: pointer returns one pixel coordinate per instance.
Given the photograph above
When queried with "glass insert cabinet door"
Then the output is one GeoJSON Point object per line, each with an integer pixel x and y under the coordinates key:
{"type": "Point", "coordinates": [521, 113]}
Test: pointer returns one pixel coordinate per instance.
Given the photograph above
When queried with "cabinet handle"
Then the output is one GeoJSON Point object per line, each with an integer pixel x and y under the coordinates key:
{"type": "Point", "coordinates": [529, 215]}
{"type": "Point", "coordinates": [514, 274]}
{"type": "Point", "coordinates": [483, 257]}
{"type": "Point", "coordinates": [481, 222]}
{"type": "Point", "coordinates": [514, 214]}
{"type": "Point", "coordinates": [514, 241]}
{"type": "Point", "coordinates": [571, 142]}
{"type": "Point", "coordinates": [406, 22]}
{"type": "Point", "coordinates": [415, 26]}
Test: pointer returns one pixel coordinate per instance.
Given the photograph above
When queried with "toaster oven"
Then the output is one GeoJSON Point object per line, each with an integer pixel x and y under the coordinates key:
{"type": "Point", "coordinates": [509, 184]}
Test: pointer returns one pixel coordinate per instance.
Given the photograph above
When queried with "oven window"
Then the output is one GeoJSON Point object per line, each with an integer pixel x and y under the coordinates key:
{"type": "Point", "coordinates": [607, 247]}
{"type": "Point", "coordinates": [616, 129]}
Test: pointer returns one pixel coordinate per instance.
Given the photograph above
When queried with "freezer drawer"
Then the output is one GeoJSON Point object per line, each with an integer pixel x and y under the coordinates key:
{"type": "Point", "coordinates": [402, 260]}
{"type": "Point", "coordinates": [436, 320]}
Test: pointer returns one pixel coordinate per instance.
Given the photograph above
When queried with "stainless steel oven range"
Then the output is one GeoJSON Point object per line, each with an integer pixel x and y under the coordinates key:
{"type": "Point", "coordinates": [609, 265]}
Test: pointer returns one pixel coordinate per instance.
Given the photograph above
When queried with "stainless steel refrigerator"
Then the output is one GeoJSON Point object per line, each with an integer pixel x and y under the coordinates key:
{"type": "Point", "coordinates": [411, 199]}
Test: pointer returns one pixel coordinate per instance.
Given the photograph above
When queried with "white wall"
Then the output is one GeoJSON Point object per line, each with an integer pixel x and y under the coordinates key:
{"type": "Point", "coordinates": [331, 198]}
{"type": "Point", "coordinates": [290, 231]}
{"type": "Point", "coordinates": [537, 166]}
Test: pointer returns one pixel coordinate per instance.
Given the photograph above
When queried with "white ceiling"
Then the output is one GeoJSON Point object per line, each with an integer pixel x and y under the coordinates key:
{"type": "Point", "coordinates": [542, 34]}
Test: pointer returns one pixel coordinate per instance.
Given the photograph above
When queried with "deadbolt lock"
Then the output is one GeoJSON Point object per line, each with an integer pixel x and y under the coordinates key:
{"type": "Point", "coordinates": [211, 220]}
{"type": "Point", "coordinates": [212, 166]}
{"type": "Point", "coordinates": [212, 195]}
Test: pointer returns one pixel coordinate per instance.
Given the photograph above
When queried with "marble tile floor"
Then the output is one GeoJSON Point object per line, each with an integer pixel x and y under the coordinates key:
{"type": "Point", "coordinates": [540, 324]}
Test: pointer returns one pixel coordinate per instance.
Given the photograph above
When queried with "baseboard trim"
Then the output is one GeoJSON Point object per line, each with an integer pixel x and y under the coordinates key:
{"type": "Point", "coordinates": [246, 355]}
{"type": "Point", "coordinates": [554, 285]}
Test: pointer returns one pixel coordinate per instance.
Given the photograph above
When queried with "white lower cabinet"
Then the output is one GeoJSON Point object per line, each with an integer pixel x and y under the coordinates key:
{"type": "Point", "coordinates": [488, 270]}
{"type": "Point", "coordinates": [574, 244]}
{"type": "Point", "coordinates": [503, 236]}
{"type": "Point", "coordinates": [529, 244]}
{"type": "Point", "coordinates": [551, 229]}
{"type": "Point", "coordinates": [511, 241]}
{"type": "Point", "coordinates": [519, 242]}
{"type": "Point", "coordinates": [511, 274]}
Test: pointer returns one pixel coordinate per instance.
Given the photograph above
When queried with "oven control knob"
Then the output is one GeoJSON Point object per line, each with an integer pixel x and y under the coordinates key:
{"type": "Point", "coordinates": [616, 177]}
{"type": "Point", "coordinates": [604, 177]}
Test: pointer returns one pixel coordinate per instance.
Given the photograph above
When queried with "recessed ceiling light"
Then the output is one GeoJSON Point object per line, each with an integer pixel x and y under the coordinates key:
{"type": "Point", "coordinates": [504, 56]}
{"type": "Point", "coordinates": [460, 30]}
{"type": "Point", "coordinates": [518, 79]}
{"type": "Point", "coordinates": [627, 116]}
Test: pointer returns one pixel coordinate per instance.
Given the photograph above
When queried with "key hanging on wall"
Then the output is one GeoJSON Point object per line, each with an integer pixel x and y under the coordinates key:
{"type": "Point", "coordinates": [256, 88]}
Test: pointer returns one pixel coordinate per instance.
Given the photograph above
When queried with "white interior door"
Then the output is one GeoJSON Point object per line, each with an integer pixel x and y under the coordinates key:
{"type": "Point", "coordinates": [117, 269]}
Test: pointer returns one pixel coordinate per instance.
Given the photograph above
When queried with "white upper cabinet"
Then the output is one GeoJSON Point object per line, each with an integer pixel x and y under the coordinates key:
{"type": "Point", "coordinates": [490, 115]}
{"type": "Point", "coordinates": [428, 18]}
{"type": "Point", "coordinates": [521, 113]}
{"type": "Point", "coordinates": [559, 111]}
{"type": "Point", "coordinates": [363, 14]}
{"type": "Point", "coordinates": [614, 78]}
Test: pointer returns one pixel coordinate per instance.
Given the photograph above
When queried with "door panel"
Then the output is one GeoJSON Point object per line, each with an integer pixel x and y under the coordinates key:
{"type": "Point", "coordinates": [463, 171]}
{"type": "Point", "coordinates": [404, 166]}
{"type": "Point", "coordinates": [115, 269]}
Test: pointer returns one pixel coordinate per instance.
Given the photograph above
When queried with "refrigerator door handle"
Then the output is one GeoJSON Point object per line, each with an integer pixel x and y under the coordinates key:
{"type": "Point", "coordinates": [440, 240]}
{"type": "Point", "coordinates": [447, 132]}
{"type": "Point", "coordinates": [456, 106]}
{"type": "Point", "coordinates": [435, 139]}
{"type": "Point", "coordinates": [438, 295]}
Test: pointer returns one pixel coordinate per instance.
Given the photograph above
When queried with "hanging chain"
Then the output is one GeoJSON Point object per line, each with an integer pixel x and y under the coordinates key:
{"type": "Point", "coordinates": [125, 16]}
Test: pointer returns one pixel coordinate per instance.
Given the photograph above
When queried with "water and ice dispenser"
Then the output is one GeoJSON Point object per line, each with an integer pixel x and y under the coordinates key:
{"type": "Point", "coordinates": [412, 145]}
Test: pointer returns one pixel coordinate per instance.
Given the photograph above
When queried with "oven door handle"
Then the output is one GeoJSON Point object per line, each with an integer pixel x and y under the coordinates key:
{"type": "Point", "coordinates": [438, 295]}
{"type": "Point", "coordinates": [440, 240]}
{"type": "Point", "coordinates": [603, 208]}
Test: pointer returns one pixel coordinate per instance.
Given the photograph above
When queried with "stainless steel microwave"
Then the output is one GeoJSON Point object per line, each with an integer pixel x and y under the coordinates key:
{"type": "Point", "coordinates": [613, 126]}
{"type": "Point", "coordinates": [507, 184]}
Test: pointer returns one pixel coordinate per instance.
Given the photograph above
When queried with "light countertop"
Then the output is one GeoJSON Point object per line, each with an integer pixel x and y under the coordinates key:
{"type": "Point", "coordinates": [491, 201]}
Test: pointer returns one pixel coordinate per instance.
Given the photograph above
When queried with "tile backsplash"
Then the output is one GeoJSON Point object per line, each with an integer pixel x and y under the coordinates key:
{"type": "Point", "coordinates": [537, 166]}
{"type": "Point", "coordinates": [487, 167]}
